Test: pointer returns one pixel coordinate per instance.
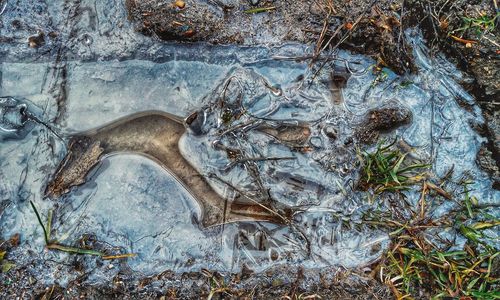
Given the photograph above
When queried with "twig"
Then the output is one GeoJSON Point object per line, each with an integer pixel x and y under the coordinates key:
{"type": "Point", "coordinates": [461, 40]}
{"type": "Point", "coordinates": [422, 201]}
{"type": "Point", "coordinates": [119, 256]}
{"type": "Point", "coordinates": [320, 40]}
{"type": "Point", "coordinates": [259, 10]}
{"type": "Point", "coordinates": [342, 40]}
{"type": "Point", "coordinates": [439, 190]}
{"type": "Point", "coordinates": [489, 40]}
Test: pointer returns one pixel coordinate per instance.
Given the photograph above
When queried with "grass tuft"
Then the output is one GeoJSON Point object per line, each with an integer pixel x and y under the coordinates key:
{"type": "Point", "coordinates": [420, 261]}
{"type": "Point", "coordinates": [477, 26]}
{"type": "Point", "coordinates": [387, 170]}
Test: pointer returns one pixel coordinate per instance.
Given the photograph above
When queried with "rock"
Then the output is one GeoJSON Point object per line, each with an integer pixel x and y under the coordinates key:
{"type": "Point", "coordinates": [180, 4]}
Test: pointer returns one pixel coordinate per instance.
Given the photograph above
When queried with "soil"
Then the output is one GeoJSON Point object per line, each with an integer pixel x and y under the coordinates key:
{"type": "Point", "coordinates": [477, 53]}
{"type": "Point", "coordinates": [382, 120]}
{"type": "Point", "coordinates": [276, 283]}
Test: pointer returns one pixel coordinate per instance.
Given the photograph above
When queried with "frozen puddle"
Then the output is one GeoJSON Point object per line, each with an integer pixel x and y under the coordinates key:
{"type": "Point", "coordinates": [130, 204]}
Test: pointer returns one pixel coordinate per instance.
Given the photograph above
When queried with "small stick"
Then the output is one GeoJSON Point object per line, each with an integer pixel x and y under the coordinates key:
{"type": "Point", "coordinates": [489, 40]}
{"type": "Point", "coordinates": [464, 41]}
{"type": "Point", "coordinates": [259, 10]}
{"type": "Point", "coordinates": [119, 256]}
{"type": "Point", "coordinates": [3, 8]}
{"type": "Point", "coordinates": [242, 126]}
{"type": "Point", "coordinates": [439, 190]}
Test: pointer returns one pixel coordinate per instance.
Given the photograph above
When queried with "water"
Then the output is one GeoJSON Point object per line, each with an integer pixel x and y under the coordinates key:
{"type": "Point", "coordinates": [130, 204]}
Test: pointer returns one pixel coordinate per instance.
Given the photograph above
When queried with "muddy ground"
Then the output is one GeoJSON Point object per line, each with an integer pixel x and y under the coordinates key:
{"type": "Point", "coordinates": [369, 27]}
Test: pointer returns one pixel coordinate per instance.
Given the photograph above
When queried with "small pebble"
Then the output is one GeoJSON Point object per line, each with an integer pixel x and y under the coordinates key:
{"type": "Point", "coordinates": [274, 255]}
{"type": "Point", "coordinates": [180, 4]}
{"type": "Point", "coordinates": [254, 2]}
{"type": "Point", "coordinates": [189, 33]}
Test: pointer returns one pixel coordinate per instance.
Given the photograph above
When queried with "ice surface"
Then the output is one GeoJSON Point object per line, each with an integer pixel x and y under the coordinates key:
{"type": "Point", "coordinates": [131, 205]}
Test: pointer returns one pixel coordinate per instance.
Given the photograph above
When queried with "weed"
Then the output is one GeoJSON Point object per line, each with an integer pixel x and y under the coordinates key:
{"type": "Point", "coordinates": [409, 268]}
{"type": "Point", "coordinates": [415, 264]}
{"type": "Point", "coordinates": [386, 169]}
{"type": "Point", "coordinates": [5, 265]}
{"type": "Point", "coordinates": [216, 283]}
{"type": "Point", "coordinates": [404, 84]}
{"type": "Point", "coordinates": [54, 245]}
{"type": "Point", "coordinates": [478, 26]}
{"type": "Point", "coordinates": [381, 75]}
{"type": "Point", "coordinates": [259, 10]}
{"type": "Point", "coordinates": [468, 200]}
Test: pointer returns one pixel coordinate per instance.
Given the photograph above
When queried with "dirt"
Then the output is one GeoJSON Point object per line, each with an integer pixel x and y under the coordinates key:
{"type": "Point", "coordinates": [276, 283]}
{"type": "Point", "coordinates": [373, 30]}
{"type": "Point", "coordinates": [220, 22]}
{"type": "Point", "coordinates": [380, 121]}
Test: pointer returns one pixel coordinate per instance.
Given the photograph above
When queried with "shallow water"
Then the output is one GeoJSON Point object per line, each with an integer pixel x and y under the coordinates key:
{"type": "Point", "coordinates": [132, 205]}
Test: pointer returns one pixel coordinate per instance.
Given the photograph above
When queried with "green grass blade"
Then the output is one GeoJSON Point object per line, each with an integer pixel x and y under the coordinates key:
{"type": "Point", "coordinates": [45, 235]}
{"type": "Point", "coordinates": [398, 164]}
{"type": "Point", "coordinates": [74, 250]}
